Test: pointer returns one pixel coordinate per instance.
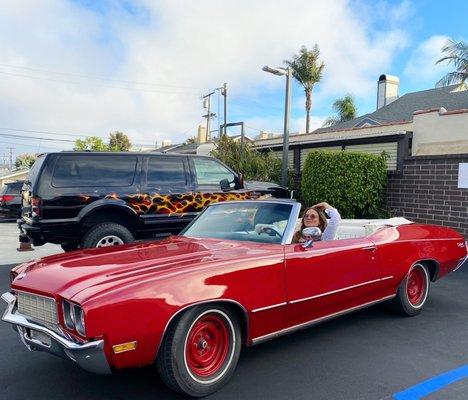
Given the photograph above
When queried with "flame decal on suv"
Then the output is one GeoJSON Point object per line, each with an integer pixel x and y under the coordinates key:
{"type": "Point", "coordinates": [178, 203]}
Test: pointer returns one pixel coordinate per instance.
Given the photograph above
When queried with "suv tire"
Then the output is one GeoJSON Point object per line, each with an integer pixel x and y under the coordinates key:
{"type": "Point", "coordinates": [106, 234]}
{"type": "Point", "coordinates": [69, 246]}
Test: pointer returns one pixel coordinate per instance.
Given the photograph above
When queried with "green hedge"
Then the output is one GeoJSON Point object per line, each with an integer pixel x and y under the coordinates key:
{"type": "Point", "coordinates": [354, 183]}
{"type": "Point", "coordinates": [253, 164]}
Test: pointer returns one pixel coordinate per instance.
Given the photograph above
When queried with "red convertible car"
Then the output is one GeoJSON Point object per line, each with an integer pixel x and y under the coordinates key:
{"type": "Point", "coordinates": [233, 277]}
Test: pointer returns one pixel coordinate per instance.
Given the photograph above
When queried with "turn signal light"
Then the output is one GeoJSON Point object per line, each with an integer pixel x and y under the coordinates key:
{"type": "Point", "coordinates": [35, 206]}
{"type": "Point", "coordinates": [121, 348]}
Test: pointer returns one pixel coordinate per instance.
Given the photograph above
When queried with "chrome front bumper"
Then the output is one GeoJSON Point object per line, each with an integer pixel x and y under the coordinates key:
{"type": "Point", "coordinates": [89, 356]}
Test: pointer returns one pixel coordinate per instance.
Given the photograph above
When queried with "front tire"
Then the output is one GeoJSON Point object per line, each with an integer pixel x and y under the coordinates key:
{"type": "Point", "coordinates": [199, 352]}
{"type": "Point", "coordinates": [413, 291]}
{"type": "Point", "coordinates": [106, 234]}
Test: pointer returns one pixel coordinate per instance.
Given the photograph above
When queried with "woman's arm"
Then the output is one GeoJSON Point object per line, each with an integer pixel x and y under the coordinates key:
{"type": "Point", "coordinates": [332, 227]}
{"type": "Point", "coordinates": [330, 231]}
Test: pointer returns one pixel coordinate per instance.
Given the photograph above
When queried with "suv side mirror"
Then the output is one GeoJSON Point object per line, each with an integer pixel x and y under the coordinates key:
{"type": "Point", "coordinates": [311, 235]}
{"type": "Point", "coordinates": [240, 181]}
{"type": "Point", "coordinates": [225, 185]}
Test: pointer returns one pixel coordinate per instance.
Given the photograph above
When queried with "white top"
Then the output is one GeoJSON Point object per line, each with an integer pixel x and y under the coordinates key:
{"type": "Point", "coordinates": [332, 227]}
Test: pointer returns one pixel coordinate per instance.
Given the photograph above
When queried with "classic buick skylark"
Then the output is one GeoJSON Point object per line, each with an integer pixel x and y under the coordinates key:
{"type": "Point", "coordinates": [233, 277]}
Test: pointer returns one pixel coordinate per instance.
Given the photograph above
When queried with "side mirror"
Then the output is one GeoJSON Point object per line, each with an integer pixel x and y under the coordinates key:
{"type": "Point", "coordinates": [239, 181]}
{"type": "Point", "coordinates": [311, 235]}
{"type": "Point", "coordinates": [225, 185]}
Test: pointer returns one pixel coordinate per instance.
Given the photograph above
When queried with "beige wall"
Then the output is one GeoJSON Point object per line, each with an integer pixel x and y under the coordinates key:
{"type": "Point", "coordinates": [438, 132]}
{"type": "Point", "coordinates": [13, 177]}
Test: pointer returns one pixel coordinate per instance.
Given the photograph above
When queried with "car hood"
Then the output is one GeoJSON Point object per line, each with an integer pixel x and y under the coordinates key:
{"type": "Point", "coordinates": [66, 275]}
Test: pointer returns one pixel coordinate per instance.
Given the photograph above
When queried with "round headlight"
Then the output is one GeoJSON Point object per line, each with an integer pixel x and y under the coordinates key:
{"type": "Point", "coordinates": [79, 320]}
{"type": "Point", "coordinates": [68, 315]}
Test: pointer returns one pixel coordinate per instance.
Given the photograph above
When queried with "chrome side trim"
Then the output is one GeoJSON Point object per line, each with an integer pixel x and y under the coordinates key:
{"type": "Point", "coordinates": [88, 355]}
{"type": "Point", "coordinates": [339, 290]}
{"type": "Point", "coordinates": [460, 263]}
{"type": "Point", "coordinates": [288, 234]}
{"type": "Point", "coordinates": [268, 307]}
{"type": "Point", "coordinates": [316, 321]}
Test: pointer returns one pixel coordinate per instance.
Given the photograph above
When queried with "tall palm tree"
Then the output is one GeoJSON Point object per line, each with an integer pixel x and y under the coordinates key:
{"type": "Point", "coordinates": [307, 69]}
{"type": "Point", "coordinates": [345, 110]}
{"type": "Point", "coordinates": [456, 53]}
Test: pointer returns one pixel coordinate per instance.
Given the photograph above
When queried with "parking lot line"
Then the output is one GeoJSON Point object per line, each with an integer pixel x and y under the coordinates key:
{"type": "Point", "coordinates": [432, 385]}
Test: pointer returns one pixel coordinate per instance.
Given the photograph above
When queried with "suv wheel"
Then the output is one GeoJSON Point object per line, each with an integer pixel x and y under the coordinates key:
{"type": "Point", "coordinates": [105, 235]}
{"type": "Point", "coordinates": [69, 246]}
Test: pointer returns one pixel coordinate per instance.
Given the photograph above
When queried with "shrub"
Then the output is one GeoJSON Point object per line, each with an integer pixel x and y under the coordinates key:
{"type": "Point", "coordinates": [354, 183]}
{"type": "Point", "coordinates": [253, 164]}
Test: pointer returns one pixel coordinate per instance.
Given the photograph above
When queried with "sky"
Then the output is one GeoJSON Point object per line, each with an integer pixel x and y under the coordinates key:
{"type": "Point", "coordinates": [75, 68]}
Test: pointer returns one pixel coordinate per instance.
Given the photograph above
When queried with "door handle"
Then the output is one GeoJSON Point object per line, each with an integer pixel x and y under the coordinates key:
{"type": "Point", "coordinates": [370, 248]}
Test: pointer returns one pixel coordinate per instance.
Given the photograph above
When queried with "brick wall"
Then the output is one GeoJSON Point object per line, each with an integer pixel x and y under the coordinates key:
{"type": "Point", "coordinates": [426, 191]}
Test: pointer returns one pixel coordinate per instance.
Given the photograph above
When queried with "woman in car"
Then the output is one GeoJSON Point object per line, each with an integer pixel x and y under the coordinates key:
{"type": "Point", "coordinates": [316, 216]}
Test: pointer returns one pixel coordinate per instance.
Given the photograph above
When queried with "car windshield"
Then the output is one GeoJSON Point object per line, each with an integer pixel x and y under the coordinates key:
{"type": "Point", "coordinates": [247, 221]}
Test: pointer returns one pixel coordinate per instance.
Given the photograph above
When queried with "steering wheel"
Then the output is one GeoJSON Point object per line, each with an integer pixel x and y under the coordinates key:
{"type": "Point", "coordinates": [269, 229]}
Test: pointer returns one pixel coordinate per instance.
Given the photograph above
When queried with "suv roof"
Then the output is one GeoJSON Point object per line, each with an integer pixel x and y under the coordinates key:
{"type": "Point", "coordinates": [129, 153]}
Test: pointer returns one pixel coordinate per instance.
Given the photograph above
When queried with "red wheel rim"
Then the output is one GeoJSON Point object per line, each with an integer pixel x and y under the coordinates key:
{"type": "Point", "coordinates": [416, 287]}
{"type": "Point", "coordinates": [207, 345]}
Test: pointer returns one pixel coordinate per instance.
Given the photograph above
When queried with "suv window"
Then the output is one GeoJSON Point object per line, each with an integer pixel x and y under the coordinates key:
{"type": "Point", "coordinates": [13, 188]}
{"type": "Point", "coordinates": [210, 172]}
{"type": "Point", "coordinates": [34, 171]}
{"type": "Point", "coordinates": [94, 170]}
{"type": "Point", "coordinates": [166, 171]}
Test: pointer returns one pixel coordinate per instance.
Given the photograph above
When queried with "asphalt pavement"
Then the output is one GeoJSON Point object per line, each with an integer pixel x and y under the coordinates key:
{"type": "Point", "coordinates": [372, 354]}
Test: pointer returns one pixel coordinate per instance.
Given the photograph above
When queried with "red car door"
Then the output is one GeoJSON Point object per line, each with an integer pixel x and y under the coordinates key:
{"type": "Point", "coordinates": [330, 277]}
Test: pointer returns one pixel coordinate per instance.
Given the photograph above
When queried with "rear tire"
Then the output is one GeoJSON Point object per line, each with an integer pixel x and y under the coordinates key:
{"type": "Point", "coordinates": [106, 234]}
{"type": "Point", "coordinates": [413, 291]}
{"type": "Point", "coordinates": [199, 352]}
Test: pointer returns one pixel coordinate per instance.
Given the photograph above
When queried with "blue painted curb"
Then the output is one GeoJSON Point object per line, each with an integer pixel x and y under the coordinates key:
{"type": "Point", "coordinates": [432, 385]}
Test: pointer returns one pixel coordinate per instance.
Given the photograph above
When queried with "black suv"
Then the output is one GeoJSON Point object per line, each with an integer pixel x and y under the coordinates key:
{"type": "Point", "coordinates": [10, 200]}
{"type": "Point", "coordinates": [84, 199]}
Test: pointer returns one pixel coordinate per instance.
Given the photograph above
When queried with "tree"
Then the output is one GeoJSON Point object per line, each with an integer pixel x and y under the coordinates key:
{"type": "Point", "coordinates": [119, 141]}
{"type": "Point", "coordinates": [345, 110]}
{"type": "Point", "coordinates": [253, 164]}
{"type": "Point", "coordinates": [91, 143]}
{"type": "Point", "coordinates": [191, 140]}
{"type": "Point", "coordinates": [307, 69]}
{"type": "Point", "coordinates": [456, 53]}
{"type": "Point", "coordinates": [25, 161]}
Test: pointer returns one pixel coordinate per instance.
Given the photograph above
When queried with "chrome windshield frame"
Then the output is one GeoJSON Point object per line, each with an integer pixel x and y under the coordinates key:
{"type": "Point", "coordinates": [290, 226]}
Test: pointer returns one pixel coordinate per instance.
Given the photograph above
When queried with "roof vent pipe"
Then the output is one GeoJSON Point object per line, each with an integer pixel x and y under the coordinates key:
{"type": "Point", "coordinates": [387, 90]}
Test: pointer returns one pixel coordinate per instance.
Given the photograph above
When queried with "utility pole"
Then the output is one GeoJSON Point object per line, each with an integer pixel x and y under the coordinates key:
{"type": "Point", "coordinates": [11, 158]}
{"type": "Point", "coordinates": [224, 93]}
{"type": "Point", "coordinates": [207, 105]}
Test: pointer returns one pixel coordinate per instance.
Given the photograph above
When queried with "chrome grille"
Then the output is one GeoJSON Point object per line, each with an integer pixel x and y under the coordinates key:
{"type": "Point", "coordinates": [39, 308]}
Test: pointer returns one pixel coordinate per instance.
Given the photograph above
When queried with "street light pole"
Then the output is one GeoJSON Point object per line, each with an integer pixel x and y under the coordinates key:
{"type": "Point", "coordinates": [287, 112]}
{"type": "Point", "coordinates": [280, 71]}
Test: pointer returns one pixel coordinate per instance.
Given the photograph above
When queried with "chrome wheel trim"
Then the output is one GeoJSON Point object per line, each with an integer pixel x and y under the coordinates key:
{"type": "Point", "coordinates": [423, 300]}
{"type": "Point", "coordinates": [109, 240]}
{"type": "Point", "coordinates": [230, 356]}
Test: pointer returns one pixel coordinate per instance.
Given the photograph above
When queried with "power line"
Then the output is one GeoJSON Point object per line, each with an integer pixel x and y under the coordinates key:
{"type": "Point", "coordinates": [56, 134]}
{"type": "Point", "coordinates": [100, 85]}
{"type": "Point", "coordinates": [99, 78]}
{"type": "Point", "coordinates": [255, 129]}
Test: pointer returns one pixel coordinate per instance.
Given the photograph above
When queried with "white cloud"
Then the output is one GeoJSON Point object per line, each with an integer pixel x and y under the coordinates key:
{"type": "Point", "coordinates": [422, 64]}
{"type": "Point", "coordinates": [184, 49]}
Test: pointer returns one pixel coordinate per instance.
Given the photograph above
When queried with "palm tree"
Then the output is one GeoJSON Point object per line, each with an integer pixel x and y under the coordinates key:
{"type": "Point", "coordinates": [307, 69]}
{"type": "Point", "coordinates": [345, 110]}
{"type": "Point", "coordinates": [457, 54]}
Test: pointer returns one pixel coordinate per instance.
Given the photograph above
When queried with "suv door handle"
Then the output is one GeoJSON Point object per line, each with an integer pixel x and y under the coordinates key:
{"type": "Point", "coordinates": [370, 248]}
